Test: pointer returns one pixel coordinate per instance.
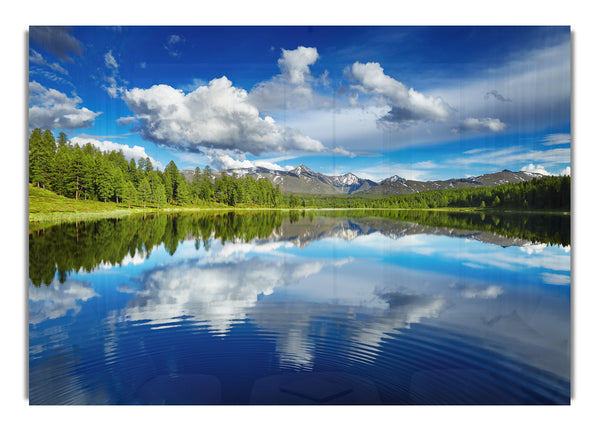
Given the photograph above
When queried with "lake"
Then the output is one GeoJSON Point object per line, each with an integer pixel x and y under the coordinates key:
{"type": "Point", "coordinates": [311, 307]}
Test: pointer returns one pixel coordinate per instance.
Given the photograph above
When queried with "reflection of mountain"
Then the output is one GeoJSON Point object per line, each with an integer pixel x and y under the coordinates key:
{"type": "Point", "coordinates": [85, 246]}
{"type": "Point", "coordinates": [304, 232]}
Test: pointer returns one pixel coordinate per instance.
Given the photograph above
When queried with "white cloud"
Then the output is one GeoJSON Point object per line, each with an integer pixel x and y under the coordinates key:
{"type": "Point", "coordinates": [217, 116]}
{"type": "Point", "coordinates": [126, 121]}
{"type": "Point", "coordinates": [566, 171]}
{"type": "Point", "coordinates": [293, 87]}
{"type": "Point", "coordinates": [170, 45]}
{"type": "Point", "coordinates": [556, 279]}
{"type": "Point", "coordinates": [516, 154]}
{"type": "Point", "coordinates": [539, 169]}
{"type": "Point", "coordinates": [481, 124]}
{"type": "Point", "coordinates": [294, 63]}
{"type": "Point", "coordinates": [116, 85]}
{"type": "Point", "coordinates": [136, 152]}
{"type": "Point", "coordinates": [51, 109]}
{"type": "Point", "coordinates": [537, 83]}
{"type": "Point", "coordinates": [37, 58]}
{"type": "Point", "coordinates": [490, 292]}
{"type": "Point", "coordinates": [557, 139]}
{"type": "Point", "coordinates": [223, 161]}
{"type": "Point", "coordinates": [407, 105]}
{"type": "Point", "coordinates": [110, 61]}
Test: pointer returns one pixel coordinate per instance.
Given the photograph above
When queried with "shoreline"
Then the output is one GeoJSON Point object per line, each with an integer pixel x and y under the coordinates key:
{"type": "Point", "coordinates": [46, 219]}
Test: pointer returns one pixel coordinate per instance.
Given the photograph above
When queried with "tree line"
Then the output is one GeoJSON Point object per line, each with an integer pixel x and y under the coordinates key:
{"type": "Point", "coordinates": [89, 173]}
{"type": "Point", "coordinates": [547, 193]}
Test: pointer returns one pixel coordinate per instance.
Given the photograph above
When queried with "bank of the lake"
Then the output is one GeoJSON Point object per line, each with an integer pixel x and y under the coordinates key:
{"type": "Point", "coordinates": [46, 209]}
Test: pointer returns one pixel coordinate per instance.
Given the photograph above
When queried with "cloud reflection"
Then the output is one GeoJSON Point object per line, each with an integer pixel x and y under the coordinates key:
{"type": "Point", "coordinates": [362, 300]}
{"type": "Point", "coordinates": [57, 299]}
{"type": "Point", "coordinates": [219, 293]}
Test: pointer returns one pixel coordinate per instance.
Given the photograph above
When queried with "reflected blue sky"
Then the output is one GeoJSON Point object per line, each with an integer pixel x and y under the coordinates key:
{"type": "Point", "coordinates": [358, 289]}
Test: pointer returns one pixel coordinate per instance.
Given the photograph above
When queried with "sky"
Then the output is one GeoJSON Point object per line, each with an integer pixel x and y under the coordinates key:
{"type": "Point", "coordinates": [424, 103]}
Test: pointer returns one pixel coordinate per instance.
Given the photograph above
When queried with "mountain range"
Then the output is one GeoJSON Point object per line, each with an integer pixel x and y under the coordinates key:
{"type": "Point", "coordinates": [303, 180]}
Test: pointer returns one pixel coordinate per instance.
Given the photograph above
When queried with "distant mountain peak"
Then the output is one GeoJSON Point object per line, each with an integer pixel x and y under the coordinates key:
{"type": "Point", "coordinates": [304, 180]}
{"type": "Point", "coordinates": [346, 179]}
{"type": "Point", "coordinates": [393, 179]}
{"type": "Point", "coordinates": [302, 168]}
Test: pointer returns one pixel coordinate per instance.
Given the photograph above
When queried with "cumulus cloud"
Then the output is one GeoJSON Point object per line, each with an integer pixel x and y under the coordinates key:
{"type": "Point", "coordinates": [481, 124]}
{"type": "Point", "coordinates": [223, 161]}
{"type": "Point", "coordinates": [535, 169]}
{"type": "Point", "coordinates": [293, 87]}
{"type": "Point", "coordinates": [51, 109]}
{"type": "Point", "coordinates": [566, 171]}
{"type": "Point", "coordinates": [218, 116]}
{"type": "Point", "coordinates": [56, 40]}
{"type": "Point", "coordinates": [407, 105]}
{"type": "Point", "coordinates": [294, 63]}
{"type": "Point", "coordinates": [37, 58]}
{"type": "Point", "coordinates": [136, 152]}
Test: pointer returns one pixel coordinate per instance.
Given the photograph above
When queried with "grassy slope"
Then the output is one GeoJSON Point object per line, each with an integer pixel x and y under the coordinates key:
{"type": "Point", "coordinates": [47, 208]}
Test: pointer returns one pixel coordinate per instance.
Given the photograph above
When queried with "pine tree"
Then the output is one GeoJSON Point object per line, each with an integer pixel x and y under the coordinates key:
{"type": "Point", "coordinates": [171, 179]}
{"type": "Point", "coordinates": [42, 148]}
{"type": "Point", "coordinates": [59, 171]}
{"type": "Point", "coordinates": [35, 157]}
{"type": "Point", "coordinates": [160, 197]}
{"type": "Point", "coordinates": [119, 183]}
{"type": "Point", "coordinates": [144, 191]}
{"type": "Point", "coordinates": [182, 193]}
{"type": "Point", "coordinates": [104, 179]}
{"type": "Point", "coordinates": [130, 193]}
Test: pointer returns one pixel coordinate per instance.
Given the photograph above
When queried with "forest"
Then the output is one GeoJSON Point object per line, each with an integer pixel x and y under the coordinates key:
{"type": "Point", "coordinates": [90, 174]}
{"type": "Point", "coordinates": [551, 193]}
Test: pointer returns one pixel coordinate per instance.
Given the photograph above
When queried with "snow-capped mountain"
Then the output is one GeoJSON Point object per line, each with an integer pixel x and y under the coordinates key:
{"type": "Point", "coordinates": [304, 180]}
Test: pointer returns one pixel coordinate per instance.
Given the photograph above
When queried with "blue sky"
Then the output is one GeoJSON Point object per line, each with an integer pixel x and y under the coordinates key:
{"type": "Point", "coordinates": [424, 103]}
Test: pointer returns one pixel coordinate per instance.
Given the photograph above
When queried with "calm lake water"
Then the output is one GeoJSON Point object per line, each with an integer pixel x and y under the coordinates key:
{"type": "Point", "coordinates": [301, 308]}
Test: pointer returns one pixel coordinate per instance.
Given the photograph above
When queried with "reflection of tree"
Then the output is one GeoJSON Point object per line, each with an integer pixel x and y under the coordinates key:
{"type": "Point", "coordinates": [83, 246]}
{"type": "Point", "coordinates": [544, 228]}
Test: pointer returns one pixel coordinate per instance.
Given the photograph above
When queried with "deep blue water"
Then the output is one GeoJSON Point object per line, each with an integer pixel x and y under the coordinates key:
{"type": "Point", "coordinates": [326, 310]}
